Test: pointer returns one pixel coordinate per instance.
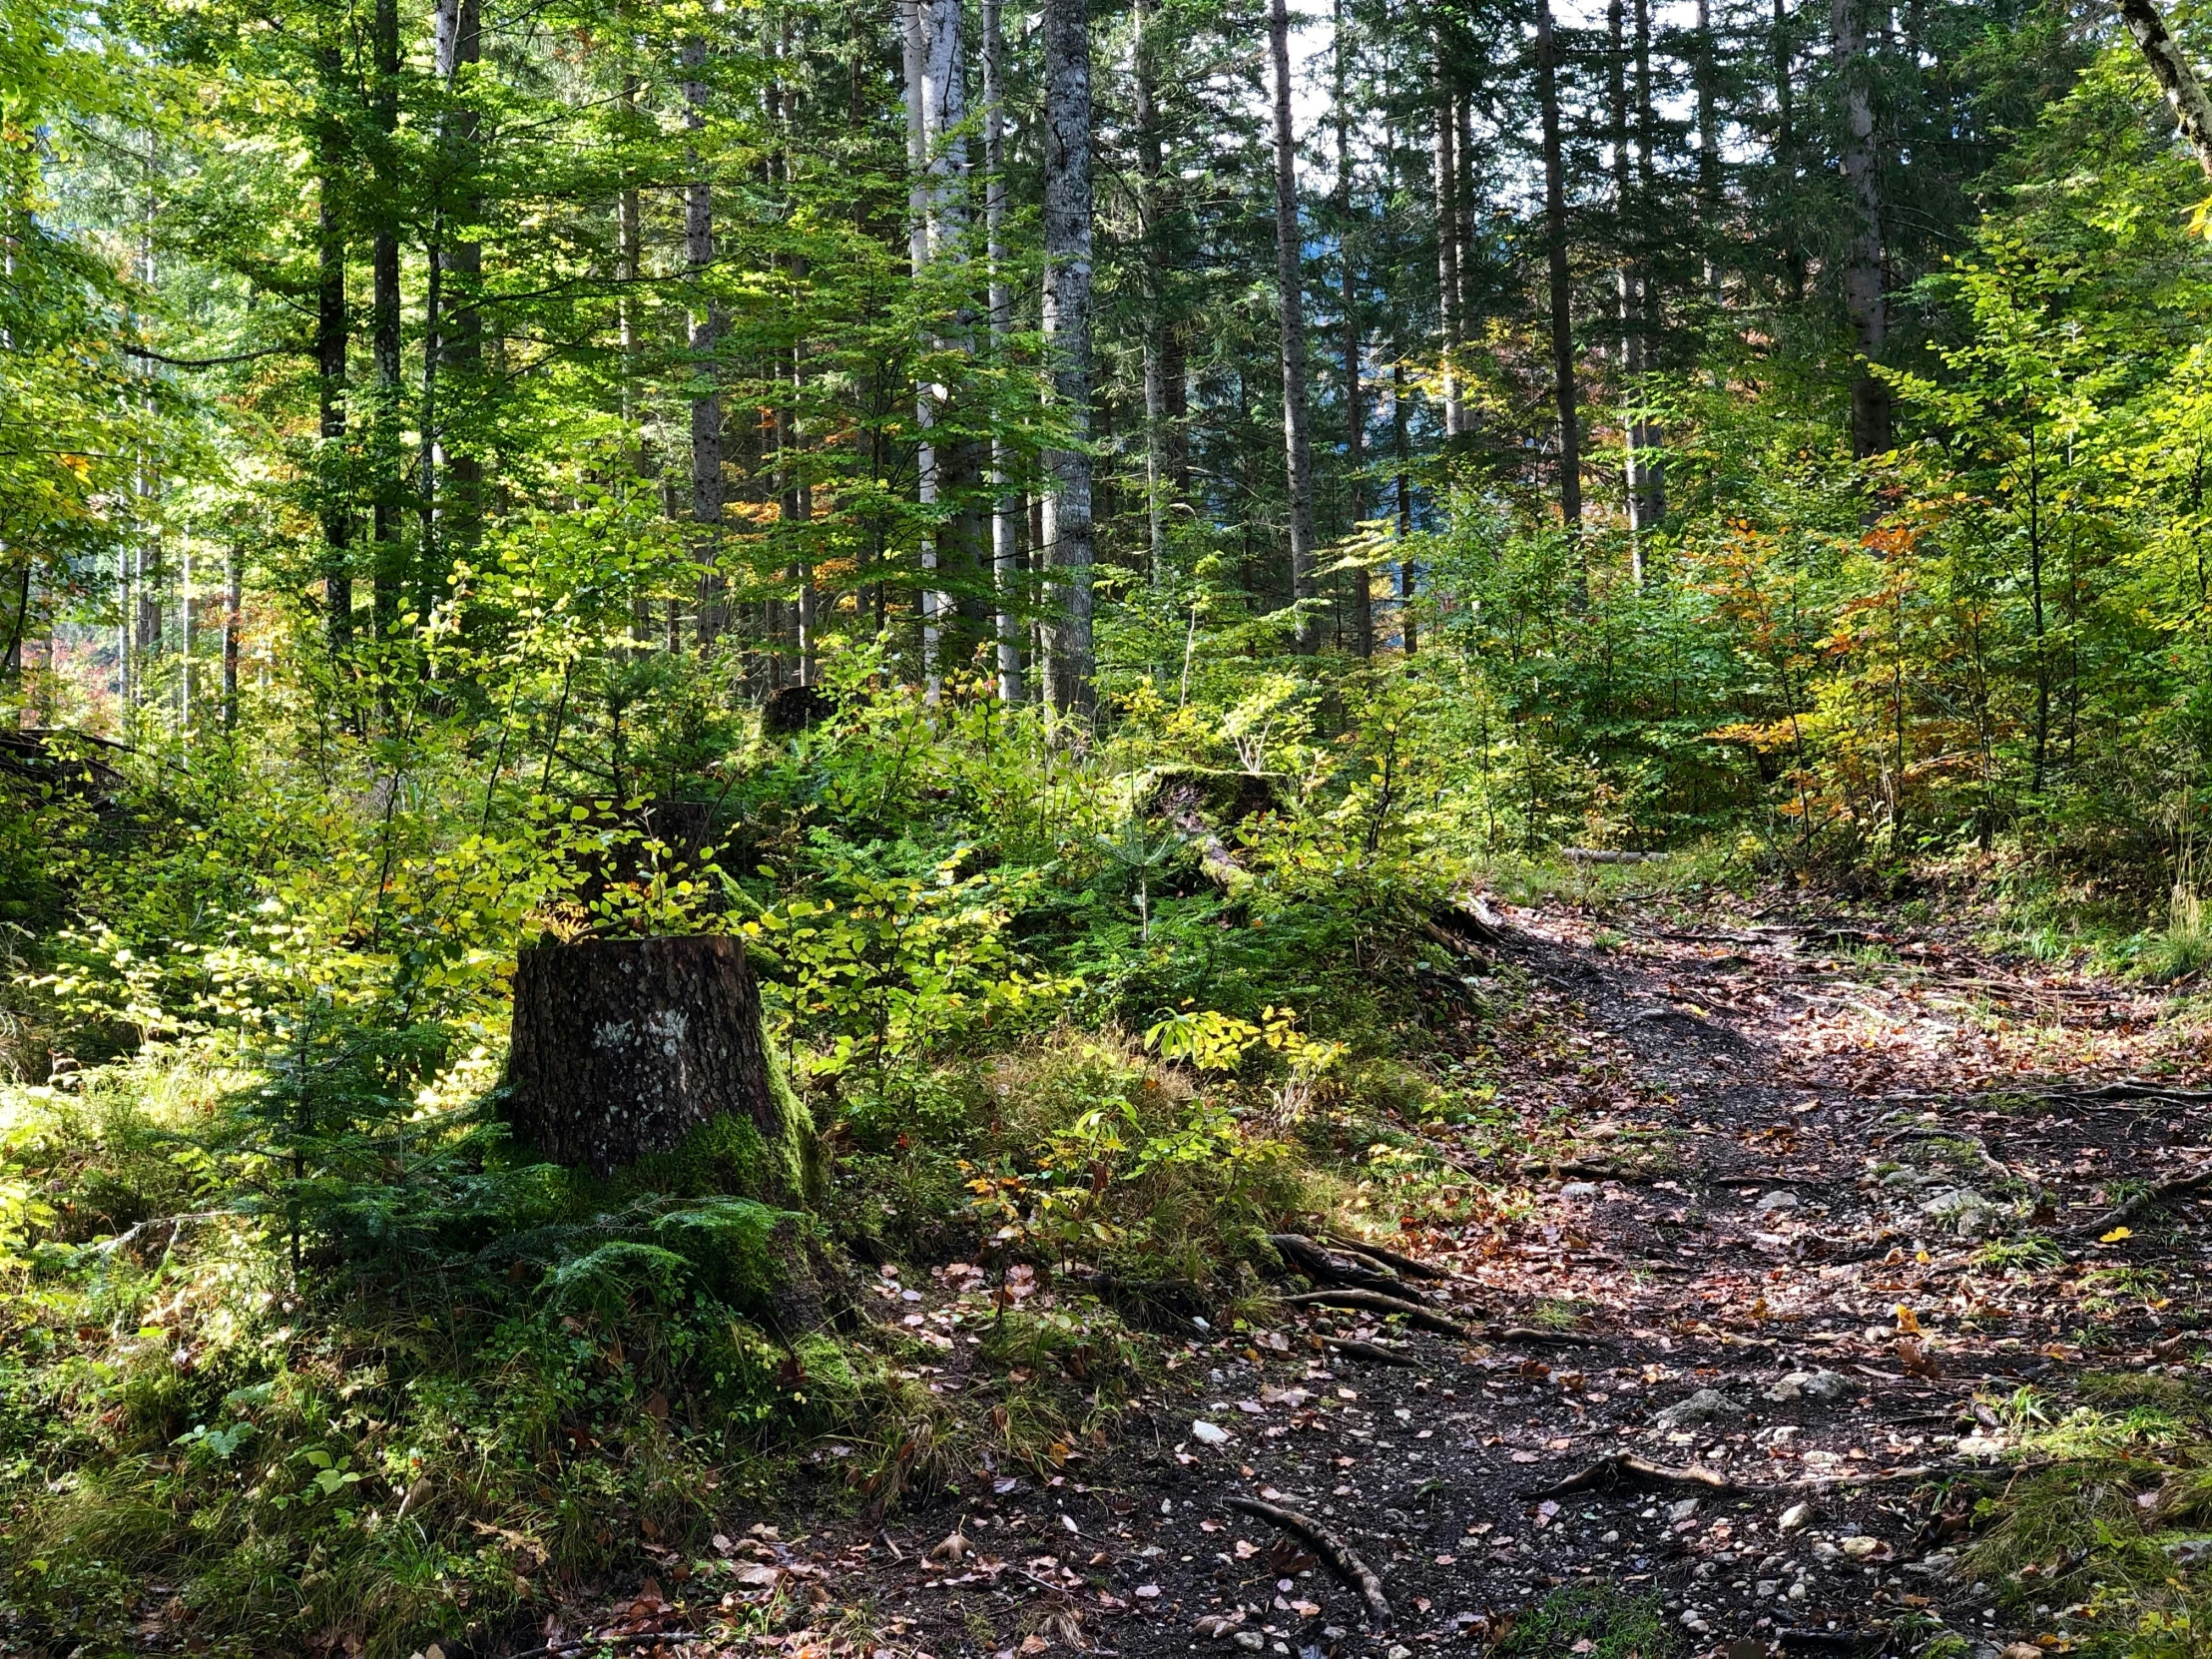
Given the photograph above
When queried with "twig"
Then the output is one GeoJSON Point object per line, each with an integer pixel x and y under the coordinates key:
{"type": "Point", "coordinates": [1377, 1301]}
{"type": "Point", "coordinates": [2150, 1199]}
{"type": "Point", "coordinates": [1373, 1353]}
{"type": "Point", "coordinates": [1331, 1548]}
{"type": "Point", "coordinates": [1626, 1465]}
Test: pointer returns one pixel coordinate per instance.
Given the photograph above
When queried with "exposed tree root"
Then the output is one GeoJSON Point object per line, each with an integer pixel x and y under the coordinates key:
{"type": "Point", "coordinates": [1626, 1465]}
{"type": "Point", "coordinates": [1330, 1548]}
{"type": "Point", "coordinates": [2145, 1201]}
{"type": "Point", "coordinates": [1376, 1302]}
{"type": "Point", "coordinates": [1375, 1354]}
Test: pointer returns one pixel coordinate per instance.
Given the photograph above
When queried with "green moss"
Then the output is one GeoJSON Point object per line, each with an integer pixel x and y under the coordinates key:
{"type": "Point", "coordinates": [1617, 1625]}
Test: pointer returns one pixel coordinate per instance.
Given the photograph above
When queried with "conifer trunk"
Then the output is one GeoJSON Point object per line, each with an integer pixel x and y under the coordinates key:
{"type": "Point", "coordinates": [331, 341]}
{"type": "Point", "coordinates": [1447, 190]}
{"type": "Point", "coordinates": [1066, 532]}
{"type": "Point", "coordinates": [1006, 507]}
{"type": "Point", "coordinates": [1863, 301]}
{"type": "Point", "coordinates": [1361, 594]}
{"type": "Point", "coordinates": [460, 342]}
{"type": "Point", "coordinates": [1298, 456]}
{"type": "Point", "coordinates": [1555, 246]}
{"type": "Point", "coordinates": [390, 558]}
{"type": "Point", "coordinates": [705, 337]}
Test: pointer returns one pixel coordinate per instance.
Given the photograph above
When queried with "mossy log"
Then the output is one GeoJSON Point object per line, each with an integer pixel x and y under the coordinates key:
{"type": "Point", "coordinates": [629, 1049]}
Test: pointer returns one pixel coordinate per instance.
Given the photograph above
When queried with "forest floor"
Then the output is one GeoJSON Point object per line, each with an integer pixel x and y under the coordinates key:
{"type": "Point", "coordinates": [1822, 1198]}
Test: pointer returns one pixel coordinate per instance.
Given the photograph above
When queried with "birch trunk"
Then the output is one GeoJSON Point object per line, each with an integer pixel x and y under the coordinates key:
{"type": "Point", "coordinates": [1297, 458]}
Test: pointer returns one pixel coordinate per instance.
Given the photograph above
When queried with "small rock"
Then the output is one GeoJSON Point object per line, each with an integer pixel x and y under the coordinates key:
{"type": "Point", "coordinates": [1861, 1547]}
{"type": "Point", "coordinates": [1953, 1201]}
{"type": "Point", "coordinates": [1706, 1405]}
{"type": "Point", "coordinates": [1251, 1639]}
{"type": "Point", "coordinates": [1399, 1651]}
{"type": "Point", "coordinates": [1206, 1434]}
{"type": "Point", "coordinates": [1694, 1622]}
{"type": "Point", "coordinates": [1579, 1189]}
{"type": "Point", "coordinates": [1810, 1384]}
{"type": "Point", "coordinates": [1776, 1202]}
{"type": "Point", "coordinates": [1795, 1516]}
{"type": "Point", "coordinates": [1971, 1224]}
{"type": "Point", "coordinates": [1768, 1588]}
{"type": "Point", "coordinates": [1682, 1509]}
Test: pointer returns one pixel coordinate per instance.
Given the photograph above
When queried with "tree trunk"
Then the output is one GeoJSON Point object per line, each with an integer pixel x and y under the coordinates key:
{"type": "Point", "coordinates": [1624, 280]}
{"type": "Point", "coordinates": [1863, 293]}
{"type": "Point", "coordinates": [390, 555]}
{"type": "Point", "coordinates": [2176, 79]}
{"type": "Point", "coordinates": [460, 342]}
{"type": "Point", "coordinates": [234, 599]}
{"type": "Point", "coordinates": [1297, 456]}
{"type": "Point", "coordinates": [331, 332]}
{"type": "Point", "coordinates": [1707, 153]}
{"type": "Point", "coordinates": [624, 1047]}
{"type": "Point", "coordinates": [704, 337]}
{"type": "Point", "coordinates": [1555, 244]}
{"type": "Point", "coordinates": [1446, 188]}
{"type": "Point", "coordinates": [1785, 155]}
{"type": "Point", "coordinates": [1650, 439]}
{"type": "Point", "coordinates": [1401, 453]}
{"type": "Point", "coordinates": [1006, 556]}
{"type": "Point", "coordinates": [1067, 329]}
{"type": "Point", "coordinates": [1362, 596]}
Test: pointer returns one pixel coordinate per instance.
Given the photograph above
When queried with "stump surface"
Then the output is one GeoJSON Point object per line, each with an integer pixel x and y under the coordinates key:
{"type": "Point", "coordinates": [624, 1047]}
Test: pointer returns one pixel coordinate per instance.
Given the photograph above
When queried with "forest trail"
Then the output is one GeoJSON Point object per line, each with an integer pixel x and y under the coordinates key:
{"type": "Point", "coordinates": [1840, 1190]}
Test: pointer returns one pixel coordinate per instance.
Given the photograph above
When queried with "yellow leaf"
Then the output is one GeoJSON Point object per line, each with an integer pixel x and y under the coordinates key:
{"type": "Point", "coordinates": [2116, 1235]}
{"type": "Point", "coordinates": [1909, 1324]}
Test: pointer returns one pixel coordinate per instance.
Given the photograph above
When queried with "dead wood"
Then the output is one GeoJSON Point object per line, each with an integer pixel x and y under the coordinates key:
{"type": "Point", "coordinates": [1542, 1338]}
{"type": "Point", "coordinates": [2145, 1201]}
{"type": "Point", "coordinates": [1412, 1266]}
{"type": "Point", "coordinates": [1626, 1465]}
{"type": "Point", "coordinates": [1374, 1302]}
{"type": "Point", "coordinates": [1319, 1264]}
{"type": "Point", "coordinates": [1375, 1354]}
{"type": "Point", "coordinates": [1606, 856]}
{"type": "Point", "coordinates": [1330, 1548]}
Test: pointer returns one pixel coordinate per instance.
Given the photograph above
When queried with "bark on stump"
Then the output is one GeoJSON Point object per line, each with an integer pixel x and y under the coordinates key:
{"type": "Point", "coordinates": [624, 1047]}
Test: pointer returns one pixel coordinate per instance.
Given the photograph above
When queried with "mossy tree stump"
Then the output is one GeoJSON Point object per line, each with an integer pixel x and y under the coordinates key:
{"type": "Point", "coordinates": [627, 1049]}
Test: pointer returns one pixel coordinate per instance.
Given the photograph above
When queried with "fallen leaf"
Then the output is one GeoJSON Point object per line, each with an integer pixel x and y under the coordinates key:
{"type": "Point", "coordinates": [2114, 1237]}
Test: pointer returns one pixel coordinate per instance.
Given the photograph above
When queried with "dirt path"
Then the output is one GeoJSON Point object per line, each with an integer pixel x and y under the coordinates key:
{"type": "Point", "coordinates": [1822, 1217]}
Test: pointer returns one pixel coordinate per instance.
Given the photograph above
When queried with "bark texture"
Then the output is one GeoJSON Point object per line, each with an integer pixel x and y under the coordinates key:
{"type": "Point", "coordinates": [1555, 241]}
{"type": "Point", "coordinates": [1298, 451]}
{"type": "Point", "coordinates": [1067, 533]}
{"type": "Point", "coordinates": [2183, 90]}
{"type": "Point", "coordinates": [1863, 293]}
{"type": "Point", "coordinates": [622, 1048]}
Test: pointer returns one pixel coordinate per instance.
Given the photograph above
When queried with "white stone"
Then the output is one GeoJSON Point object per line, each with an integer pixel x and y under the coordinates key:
{"type": "Point", "coordinates": [1208, 1434]}
{"type": "Point", "coordinates": [1777, 1201]}
{"type": "Point", "coordinates": [1795, 1516]}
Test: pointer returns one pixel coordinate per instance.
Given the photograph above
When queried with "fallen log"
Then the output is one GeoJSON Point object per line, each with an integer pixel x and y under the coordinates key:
{"type": "Point", "coordinates": [1331, 1548]}
{"type": "Point", "coordinates": [1606, 856]}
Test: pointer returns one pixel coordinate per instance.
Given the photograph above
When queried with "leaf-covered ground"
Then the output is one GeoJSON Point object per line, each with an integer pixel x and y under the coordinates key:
{"type": "Point", "coordinates": [1815, 1268]}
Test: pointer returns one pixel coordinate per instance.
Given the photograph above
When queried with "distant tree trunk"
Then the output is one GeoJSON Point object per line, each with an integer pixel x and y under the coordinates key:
{"type": "Point", "coordinates": [1362, 590]}
{"type": "Point", "coordinates": [1650, 439]}
{"type": "Point", "coordinates": [705, 338]}
{"type": "Point", "coordinates": [390, 558]}
{"type": "Point", "coordinates": [1446, 170]}
{"type": "Point", "coordinates": [234, 624]}
{"type": "Point", "coordinates": [331, 341]}
{"type": "Point", "coordinates": [941, 103]}
{"type": "Point", "coordinates": [1624, 284]}
{"type": "Point", "coordinates": [1298, 453]}
{"type": "Point", "coordinates": [1864, 301]}
{"type": "Point", "coordinates": [1784, 153]}
{"type": "Point", "coordinates": [460, 342]}
{"type": "Point", "coordinates": [1555, 244]}
{"type": "Point", "coordinates": [1067, 329]}
{"type": "Point", "coordinates": [2176, 79]}
{"type": "Point", "coordinates": [1006, 507]}
{"type": "Point", "coordinates": [1707, 153]}
{"type": "Point", "coordinates": [1400, 450]}
{"type": "Point", "coordinates": [1150, 164]}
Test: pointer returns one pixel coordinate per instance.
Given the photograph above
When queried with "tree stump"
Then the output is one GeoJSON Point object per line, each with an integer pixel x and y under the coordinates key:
{"type": "Point", "coordinates": [625, 1048]}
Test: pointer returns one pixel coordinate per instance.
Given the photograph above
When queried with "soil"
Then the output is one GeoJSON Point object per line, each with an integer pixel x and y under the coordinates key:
{"type": "Point", "coordinates": [1786, 1237]}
